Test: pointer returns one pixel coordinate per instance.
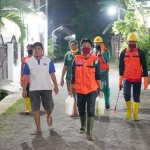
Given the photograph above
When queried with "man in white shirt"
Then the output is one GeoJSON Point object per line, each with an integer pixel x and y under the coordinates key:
{"type": "Point", "coordinates": [41, 70]}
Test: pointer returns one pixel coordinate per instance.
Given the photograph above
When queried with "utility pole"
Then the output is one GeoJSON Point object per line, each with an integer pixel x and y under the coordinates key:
{"type": "Point", "coordinates": [46, 27]}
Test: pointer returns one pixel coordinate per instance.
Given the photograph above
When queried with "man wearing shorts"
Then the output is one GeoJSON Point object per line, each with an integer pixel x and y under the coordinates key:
{"type": "Point", "coordinates": [40, 69]}
{"type": "Point", "coordinates": [68, 59]}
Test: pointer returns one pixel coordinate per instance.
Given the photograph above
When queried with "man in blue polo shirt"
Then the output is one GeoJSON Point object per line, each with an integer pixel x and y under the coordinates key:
{"type": "Point", "coordinates": [41, 70]}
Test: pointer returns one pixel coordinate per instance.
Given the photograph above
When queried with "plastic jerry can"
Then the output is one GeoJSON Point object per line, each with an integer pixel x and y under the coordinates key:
{"type": "Point", "coordinates": [100, 106]}
{"type": "Point", "coordinates": [69, 102]}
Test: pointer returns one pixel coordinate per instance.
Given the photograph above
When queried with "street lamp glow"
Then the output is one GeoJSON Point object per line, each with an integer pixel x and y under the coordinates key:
{"type": "Point", "coordinates": [112, 10]}
{"type": "Point", "coordinates": [59, 28]}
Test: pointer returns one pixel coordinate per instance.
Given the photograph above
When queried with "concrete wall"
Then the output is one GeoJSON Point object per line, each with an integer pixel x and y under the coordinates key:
{"type": "Point", "coordinates": [14, 70]}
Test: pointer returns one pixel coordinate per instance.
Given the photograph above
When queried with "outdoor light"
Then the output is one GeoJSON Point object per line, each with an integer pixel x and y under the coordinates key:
{"type": "Point", "coordinates": [59, 28]}
{"type": "Point", "coordinates": [112, 10]}
{"type": "Point", "coordinates": [73, 36]}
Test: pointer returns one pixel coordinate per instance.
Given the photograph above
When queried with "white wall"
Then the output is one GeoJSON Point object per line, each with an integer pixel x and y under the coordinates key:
{"type": "Point", "coordinates": [14, 71]}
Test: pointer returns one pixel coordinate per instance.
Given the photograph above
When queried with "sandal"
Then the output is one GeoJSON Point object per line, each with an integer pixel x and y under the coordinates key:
{"type": "Point", "coordinates": [36, 132]}
{"type": "Point", "coordinates": [49, 123]}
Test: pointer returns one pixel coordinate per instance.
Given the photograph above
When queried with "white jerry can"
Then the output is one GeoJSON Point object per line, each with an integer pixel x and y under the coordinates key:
{"type": "Point", "coordinates": [69, 102]}
{"type": "Point", "coordinates": [100, 106]}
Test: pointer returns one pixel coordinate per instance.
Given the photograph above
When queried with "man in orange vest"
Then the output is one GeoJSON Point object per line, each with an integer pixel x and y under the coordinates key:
{"type": "Point", "coordinates": [27, 99]}
{"type": "Point", "coordinates": [103, 56]}
{"type": "Point", "coordinates": [132, 67]}
{"type": "Point", "coordinates": [86, 81]}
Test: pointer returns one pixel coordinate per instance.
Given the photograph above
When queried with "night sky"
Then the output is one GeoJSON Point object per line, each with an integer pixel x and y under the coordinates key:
{"type": "Point", "coordinates": [62, 11]}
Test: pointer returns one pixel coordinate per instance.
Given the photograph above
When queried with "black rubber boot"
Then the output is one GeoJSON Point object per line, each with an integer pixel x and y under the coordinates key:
{"type": "Point", "coordinates": [90, 122]}
{"type": "Point", "coordinates": [83, 124]}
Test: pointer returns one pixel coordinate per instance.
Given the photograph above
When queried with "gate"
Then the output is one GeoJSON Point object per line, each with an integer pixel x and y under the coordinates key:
{"type": "Point", "coordinates": [3, 59]}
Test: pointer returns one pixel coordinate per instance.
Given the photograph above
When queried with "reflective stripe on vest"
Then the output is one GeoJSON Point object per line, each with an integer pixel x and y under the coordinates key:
{"type": "Point", "coordinates": [85, 81]}
{"type": "Point", "coordinates": [133, 68]}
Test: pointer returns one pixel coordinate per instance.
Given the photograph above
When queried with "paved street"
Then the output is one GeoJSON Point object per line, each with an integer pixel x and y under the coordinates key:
{"type": "Point", "coordinates": [111, 131]}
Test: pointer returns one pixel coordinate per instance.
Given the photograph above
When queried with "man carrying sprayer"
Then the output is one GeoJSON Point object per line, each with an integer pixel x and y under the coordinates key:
{"type": "Point", "coordinates": [103, 56]}
{"type": "Point", "coordinates": [27, 99]}
{"type": "Point", "coordinates": [132, 67]}
{"type": "Point", "coordinates": [86, 81]}
{"type": "Point", "coordinates": [68, 59]}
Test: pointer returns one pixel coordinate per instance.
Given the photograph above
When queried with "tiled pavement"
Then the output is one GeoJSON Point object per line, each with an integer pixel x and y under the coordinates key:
{"type": "Point", "coordinates": [111, 131]}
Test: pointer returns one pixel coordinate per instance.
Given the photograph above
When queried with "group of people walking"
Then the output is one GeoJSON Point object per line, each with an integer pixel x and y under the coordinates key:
{"type": "Point", "coordinates": [87, 76]}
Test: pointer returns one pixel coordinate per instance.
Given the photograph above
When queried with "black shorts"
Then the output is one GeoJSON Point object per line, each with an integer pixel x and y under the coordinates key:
{"type": "Point", "coordinates": [41, 95]}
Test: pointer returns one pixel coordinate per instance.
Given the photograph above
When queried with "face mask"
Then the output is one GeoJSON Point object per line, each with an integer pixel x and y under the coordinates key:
{"type": "Point", "coordinates": [86, 50]}
{"type": "Point", "coordinates": [132, 46]}
{"type": "Point", "coordinates": [30, 52]}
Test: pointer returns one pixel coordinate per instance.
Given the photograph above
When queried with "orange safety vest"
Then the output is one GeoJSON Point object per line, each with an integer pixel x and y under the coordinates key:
{"type": "Point", "coordinates": [22, 67]}
{"type": "Point", "coordinates": [133, 68]}
{"type": "Point", "coordinates": [85, 81]}
{"type": "Point", "coordinates": [103, 65]}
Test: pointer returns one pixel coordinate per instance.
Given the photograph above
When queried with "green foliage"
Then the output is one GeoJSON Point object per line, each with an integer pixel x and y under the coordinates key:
{"type": "Point", "coordinates": [53, 53]}
{"type": "Point", "coordinates": [126, 26]}
{"type": "Point", "coordinates": [144, 44]}
{"type": "Point", "coordinates": [11, 9]}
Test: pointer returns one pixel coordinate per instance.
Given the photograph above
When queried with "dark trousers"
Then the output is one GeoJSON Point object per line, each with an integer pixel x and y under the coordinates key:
{"type": "Point", "coordinates": [89, 99]}
{"type": "Point", "coordinates": [136, 90]}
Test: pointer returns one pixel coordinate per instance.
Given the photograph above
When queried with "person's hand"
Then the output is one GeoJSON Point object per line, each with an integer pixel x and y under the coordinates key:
{"type": "Point", "coordinates": [120, 82]}
{"type": "Point", "coordinates": [100, 94]}
{"type": "Point", "coordinates": [24, 93]}
{"type": "Point", "coordinates": [56, 90]}
{"type": "Point", "coordinates": [98, 47]}
{"type": "Point", "coordinates": [145, 83]}
{"type": "Point", "coordinates": [62, 82]}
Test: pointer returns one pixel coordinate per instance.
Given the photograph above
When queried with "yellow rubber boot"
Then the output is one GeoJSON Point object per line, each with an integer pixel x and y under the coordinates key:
{"type": "Point", "coordinates": [129, 110]}
{"type": "Point", "coordinates": [28, 106]}
{"type": "Point", "coordinates": [135, 111]}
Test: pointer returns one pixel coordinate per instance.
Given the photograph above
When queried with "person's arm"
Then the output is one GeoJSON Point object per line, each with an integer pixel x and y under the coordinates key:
{"type": "Point", "coordinates": [72, 77]}
{"type": "Point", "coordinates": [98, 77]}
{"type": "Point", "coordinates": [106, 56]}
{"type": "Point", "coordinates": [63, 74]}
{"type": "Point", "coordinates": [26, 73]}
{"type": "Point", "coordinates": [64, 70]}
{"type": "Point", "coordinates": [73, 73]}
{"type": "Point", "coordinates": [121, 63]}
{"type": "Point", "coordinates": [143, 63]}
{"type": "Point", "coordinates": [144, 68]}
{"type": "Point", "coordinates": [53, 77]}
{"type": "Point", "coordinates": [121, 69]}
